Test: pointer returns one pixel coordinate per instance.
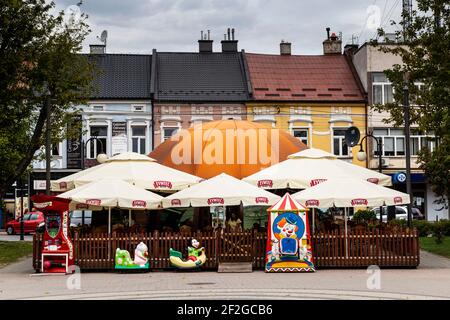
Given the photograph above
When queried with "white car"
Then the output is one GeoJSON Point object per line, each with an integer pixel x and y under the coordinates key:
{"type": "Point", "coordinates": [401, 213]}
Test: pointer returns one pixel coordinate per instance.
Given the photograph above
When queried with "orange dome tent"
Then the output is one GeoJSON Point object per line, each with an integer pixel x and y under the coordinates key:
{"type": "Point", "coordinates": [235, 147]}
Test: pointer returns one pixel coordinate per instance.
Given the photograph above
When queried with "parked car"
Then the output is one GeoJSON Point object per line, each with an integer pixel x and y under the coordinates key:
{"type": "Point", "coordinates": [31, 221]}
{"type": "Point", "coordinates": [401, 213]}
{"type": "Point", "coordinates": [76, 218]}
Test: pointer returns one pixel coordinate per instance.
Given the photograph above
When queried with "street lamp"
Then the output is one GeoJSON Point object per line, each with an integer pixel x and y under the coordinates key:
{"type": "Point", "coordinates": [362, 156]}
{"type": "Point", "coordinates": [101, 157]}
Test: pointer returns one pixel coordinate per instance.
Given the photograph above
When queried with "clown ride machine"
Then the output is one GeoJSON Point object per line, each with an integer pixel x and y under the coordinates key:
{"type": "Point", "coordinates": [288, 241]}
{"type": "Point", "coordinates": [57, 254]}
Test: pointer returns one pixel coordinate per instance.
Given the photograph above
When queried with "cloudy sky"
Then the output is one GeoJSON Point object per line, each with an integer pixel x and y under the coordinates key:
{"type": "Point", "coordinates": [138, 26]}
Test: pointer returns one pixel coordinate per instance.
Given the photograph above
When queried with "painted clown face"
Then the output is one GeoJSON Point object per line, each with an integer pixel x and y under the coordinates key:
{"type": "Point", "coordinates": [195, 243]}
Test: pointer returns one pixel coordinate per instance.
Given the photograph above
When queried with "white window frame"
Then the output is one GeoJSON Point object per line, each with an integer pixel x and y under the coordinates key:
{"type": "Point", "coordinates": [93, 105]}
{"type": "Point", "coordinates": [396, 155]}
{"type": "Point", "coordinates": [97, 123]}
{"type": "Point", "coordinates": [308, 134]}
{"type": "Point", "coordinates": [135, 106]}
{"type": "Point", "coordinates": [341, 140]}
{"type": "Point", "coordinates": [177, 129]}
{"type": "Point", "coordinates": [145, 137]}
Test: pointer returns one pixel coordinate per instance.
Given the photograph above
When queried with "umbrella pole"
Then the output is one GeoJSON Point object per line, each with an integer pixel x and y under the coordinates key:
{"type": "Point", "coordinates": [346, 230]}
{"type": "Point", "coordinates": [129, 217]}
{"type": "Point", "coordinates": [314, 220]}
{"type": "Point", "coordinates": [109, 220]}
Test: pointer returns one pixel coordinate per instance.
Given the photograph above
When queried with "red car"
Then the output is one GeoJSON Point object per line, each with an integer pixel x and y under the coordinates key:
{"type": "Point", "coordinates": [31, 221]}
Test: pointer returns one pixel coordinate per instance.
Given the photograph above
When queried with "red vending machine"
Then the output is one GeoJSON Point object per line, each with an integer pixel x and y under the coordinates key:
{"type": "Point", "coordinates": [57, 252]}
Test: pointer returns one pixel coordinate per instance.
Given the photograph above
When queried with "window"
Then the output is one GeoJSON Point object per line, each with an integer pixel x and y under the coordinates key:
{"type": "Point", "coordinates": [98, 145]}
{"type": "Point", "coordinates": [383, 92]}
{"type": "Point", "coordinates": [301, 134]}
{"type": "Point", "coordinates": [55, 149]}
{"type": "Point", "coordinates": [138, 108]}
{"type": "Point", "coordinates": [138, 139]}
{"type": "Point", "coordinates": [394, 144]}
{"type": "Point", "coordinates": [98, 108]}
{"type": "Point", "coordinates": [34, 216]}
{"type": "Point", "coordinates": [169, 132]}
{"type": "Point", "coordinates": [340, 147]}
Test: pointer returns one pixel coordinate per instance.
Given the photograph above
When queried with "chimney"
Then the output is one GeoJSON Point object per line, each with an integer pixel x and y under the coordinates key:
{"type": "Point", "coordinates": [205, 44]}
{"type": "Point", "coordinates": [333, 44]}
{"type": "Point", "coordinates": [97, 48]}
{"type": "Point", "coordinates": [285, 48]}
{"type": "Point", "coordinates": [229, 44]}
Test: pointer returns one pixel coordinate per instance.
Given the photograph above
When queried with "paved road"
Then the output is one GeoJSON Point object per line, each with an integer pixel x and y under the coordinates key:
{"type": "Point", "coordinates": [430, 281]}
{"type": "Point", "coordinates": [5, 237]}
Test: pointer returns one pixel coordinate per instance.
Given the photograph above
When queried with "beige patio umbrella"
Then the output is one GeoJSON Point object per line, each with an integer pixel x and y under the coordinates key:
{"type": "Point", "coordinates": [310, 167]}
{"type": "Point", "coordinates": [221, 190]}
{"type": "Point", "coordinates": [349, 193]}
{"type": "Point", "coordinates": [140, 170]}
{"type": "Point", "coordinates": [111, 193]}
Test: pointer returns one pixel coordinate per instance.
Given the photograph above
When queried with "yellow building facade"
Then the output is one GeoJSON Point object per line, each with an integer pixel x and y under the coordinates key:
{"type": "Point", "coordinates": [319, 125]}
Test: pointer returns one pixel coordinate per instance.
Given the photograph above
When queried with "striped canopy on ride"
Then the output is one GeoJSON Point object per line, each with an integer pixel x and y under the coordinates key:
{"type": "Point", "coordinates": [287, 204]}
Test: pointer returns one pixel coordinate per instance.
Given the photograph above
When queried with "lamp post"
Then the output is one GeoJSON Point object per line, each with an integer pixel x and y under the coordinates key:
{"type": "Point", "coordinates": [406, 112]}
{"type": "Point", "coordinates": [362, 156]}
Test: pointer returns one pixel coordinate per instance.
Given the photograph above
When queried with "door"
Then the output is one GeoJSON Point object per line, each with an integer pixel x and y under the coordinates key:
{"type": "Point", "coordinates": [32, 223]}
{"type": "Point", "coordinates": [236, 246]}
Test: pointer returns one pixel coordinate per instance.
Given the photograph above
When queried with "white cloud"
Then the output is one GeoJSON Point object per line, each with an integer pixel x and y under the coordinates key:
{"type": "Point", "coordinates": [174, 25]}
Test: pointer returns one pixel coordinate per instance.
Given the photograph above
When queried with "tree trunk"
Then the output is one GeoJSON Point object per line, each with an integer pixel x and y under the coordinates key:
{"type": "Point", "coordinates": [34, 145]}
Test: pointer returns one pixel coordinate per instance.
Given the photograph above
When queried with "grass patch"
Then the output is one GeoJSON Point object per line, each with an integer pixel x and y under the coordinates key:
{"type": "Point", "coordinates": [429, 244]}
{"type": "Point", "coordinates": [11, 251]}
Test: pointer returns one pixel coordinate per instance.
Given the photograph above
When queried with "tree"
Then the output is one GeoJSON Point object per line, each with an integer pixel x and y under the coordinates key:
{"type": "Point", "coordinates": [426, 60]}
{"type": "Point", "coordinates": [39, 62]}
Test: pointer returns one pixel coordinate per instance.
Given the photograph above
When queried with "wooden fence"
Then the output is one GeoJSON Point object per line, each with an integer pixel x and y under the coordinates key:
{"type": "Point", "coordinates": [385, 248]}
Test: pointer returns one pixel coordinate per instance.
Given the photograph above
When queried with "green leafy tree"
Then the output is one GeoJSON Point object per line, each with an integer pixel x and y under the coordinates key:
{"type": "Point", "coordinates": [39, 62]}
{"type": "Point", "coordinates": [426, 60]}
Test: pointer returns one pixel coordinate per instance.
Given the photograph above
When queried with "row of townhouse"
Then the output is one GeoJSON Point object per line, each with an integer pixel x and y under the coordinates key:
{"type": "Point", "coordinates": [142, 100]}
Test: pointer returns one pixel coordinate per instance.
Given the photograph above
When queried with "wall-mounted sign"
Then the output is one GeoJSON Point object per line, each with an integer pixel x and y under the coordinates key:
{"type": "Point", "coordinates": [119, 140]}
{"type": "Point", "coordinates": [74, 146]}
{"type": "Point", "coordinates": [400, 177]}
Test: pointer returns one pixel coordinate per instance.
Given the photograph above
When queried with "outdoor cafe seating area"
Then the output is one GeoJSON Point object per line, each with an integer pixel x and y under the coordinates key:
{"type": "Point", "coordinates": [228, 216]}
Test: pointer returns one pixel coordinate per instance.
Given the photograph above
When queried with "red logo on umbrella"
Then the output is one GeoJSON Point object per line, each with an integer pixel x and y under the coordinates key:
{"type": "Point", "coordinates": [312, 203]}
{"type": "Point", "coordinates": [360, 202]}
{"type": "Point", "coordinates": [94, 202]}
{"type": "Point", "coordinates": [374, 180]}
{"type": "Point", "coordinates": [265, 184]}
{"type": "Point", "coordinates": [162, 184]}
{"type": "Point", "coordinates": [398, 200]}
{"type": "Point", "coordinates": [315, 182]}
{"type": "Point", "coordinates": [262, 200]}
{"type": "Point", "coordinates": [139, 203]}
{"type": "Point", "coordinates": [216, 201]}
{"type": "Point", "coordinates": [63, 185]}
{"type": "Point", "coordinates": [175, 202]}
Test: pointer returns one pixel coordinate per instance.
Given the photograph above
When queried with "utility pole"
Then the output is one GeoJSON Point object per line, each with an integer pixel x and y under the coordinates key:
{"type": "Point", "coordinates": [407, 11]}
{"type": "Point", "coordinates": [48, 146]}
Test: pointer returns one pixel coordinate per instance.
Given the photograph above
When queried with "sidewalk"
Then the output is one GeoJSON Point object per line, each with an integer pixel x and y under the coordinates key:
{"type": "Point", "coordinates": [430, 280]}
{"type": "Point", "coordinates": [16, 237]}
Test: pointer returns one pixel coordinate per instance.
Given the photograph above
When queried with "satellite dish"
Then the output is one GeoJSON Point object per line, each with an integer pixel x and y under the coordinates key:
{"type": "Point", "coordinates": [104, 36]}
{"type": "Point", "coordinates": [352, 136]}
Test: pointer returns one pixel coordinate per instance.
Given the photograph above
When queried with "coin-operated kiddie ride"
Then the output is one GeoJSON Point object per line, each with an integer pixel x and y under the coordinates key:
{"type": "Point", "coordinates": [288, 242]}
{"type": "Point", "coordinates": [196, 257]}
{"type": "Point", "coordinates": [57, 253]}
